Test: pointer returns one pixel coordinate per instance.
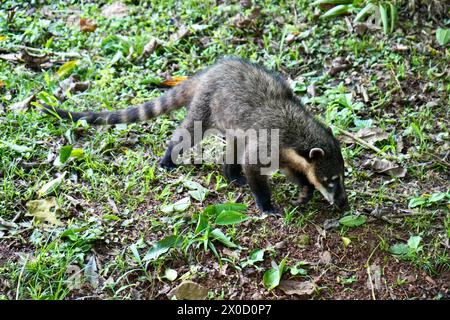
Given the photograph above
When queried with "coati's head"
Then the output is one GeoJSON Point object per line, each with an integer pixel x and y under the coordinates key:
{"type": "Point", "coordinates": [322, 166]}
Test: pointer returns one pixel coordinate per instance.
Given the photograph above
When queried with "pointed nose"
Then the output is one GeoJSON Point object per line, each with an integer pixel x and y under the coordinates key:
{"type": "Point", "coordinates": [342, 202]}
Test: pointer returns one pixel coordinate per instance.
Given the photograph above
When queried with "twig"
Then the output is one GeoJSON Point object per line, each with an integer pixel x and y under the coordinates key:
{"type": "Point", "coordinates": [66, 54]}
{"type": "Point", "coordinates": [359, 140]}
{"type": "Point", "coordinates": [440, 161]}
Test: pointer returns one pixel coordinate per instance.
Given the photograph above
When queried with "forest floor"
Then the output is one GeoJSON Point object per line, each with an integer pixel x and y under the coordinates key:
{"type": "Point", "coordinates": [85, 212]}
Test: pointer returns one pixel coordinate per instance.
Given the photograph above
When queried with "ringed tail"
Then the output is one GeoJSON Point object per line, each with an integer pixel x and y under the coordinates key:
{"type": "Point", "coordinates": [173, 99]}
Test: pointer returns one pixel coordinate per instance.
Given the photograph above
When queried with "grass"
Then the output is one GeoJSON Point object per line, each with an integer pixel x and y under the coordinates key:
{"type": "Point", "coordinates": [112, 195]}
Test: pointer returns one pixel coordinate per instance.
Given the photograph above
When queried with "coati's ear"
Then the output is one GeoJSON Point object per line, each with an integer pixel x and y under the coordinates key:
{"type": "Point", "coordinates": [316, 153]}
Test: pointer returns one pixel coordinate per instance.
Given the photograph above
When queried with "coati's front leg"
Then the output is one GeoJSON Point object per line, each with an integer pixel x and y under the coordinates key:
{"type": "Point", "coordinates": [259, 185]}
{"type": "Point", "coordinates": [233, 173]}
{"type": "Point", "coordinates": [306, 190]}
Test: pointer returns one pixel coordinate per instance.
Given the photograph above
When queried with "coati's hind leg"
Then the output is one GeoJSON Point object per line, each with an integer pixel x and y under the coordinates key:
{"type": "Point", "coordinates": [232, 170]}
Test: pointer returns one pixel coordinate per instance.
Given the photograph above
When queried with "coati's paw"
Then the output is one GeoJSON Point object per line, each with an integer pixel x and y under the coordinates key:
{"type": "Point", "coordinates": [167, 164]}
{"type": "Point", "coordinates": [300, 201]}
{"type": "Point", "coordinates": [270, 209]}
{"type": "Point", "coordinates": [304, 197]}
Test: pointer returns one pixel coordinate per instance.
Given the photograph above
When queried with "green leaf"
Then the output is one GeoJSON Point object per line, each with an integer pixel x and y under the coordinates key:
{"type": "Point", "coordinates": [162, 247]}
{"type": "Point", "coordinates": [272, 277]}
{"type": "Point", "coordinates": [415, 202]}
{"type": "Point", "coordinates": [67, 67]}
{"type": "Point", "coordinates": [436, 197]}
{"type": "Point", "coordinates": [230, 217]}
{"type": "Point", "coordinates": [77, 153]}
{"type": "Point", "coordinates": [443, 36]}
{"type": "Point", "coordinates": [336, 11]}
{"type": "Point", "coordinates": [221, 237]}
{"type": "Point", "coordinates": [64, 153]}
{"type": "Point", "coordinates": [215, 210]}
{"type": "Point", "coordinates": [110, 217]}
{"type": "Point", "coordinates": [384, 18]}
{"type": "Point", "coordinates": [352, 220]}
{"type": "Point", "coordinates": [16, 147]}
{"type": "Point", "coordinates": [364, 12]}
{"type": "Point", "coordinates": [256, 256]}
{"type": "Point", "coordinates": [414, 242]}
{"type": "Point", "coordinates": [202, 224]}
{"type": "Point", "coordinates": [399, 249]}
{"type": "Point", "coordinates": [51, 186]}
{"type": "Point", "coordinates": [199, 194]}
{"type": "Point", "coordinates": [182, 205]}
{"type": "Point", "coordinates": [394, 16]}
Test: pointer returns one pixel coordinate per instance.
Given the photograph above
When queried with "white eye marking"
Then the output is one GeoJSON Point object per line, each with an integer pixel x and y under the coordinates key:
{"type": "Point", "coordinates": [325, 179]}
{"type": "Point", "coordinates": [334, 177]}
{"type": "Point", "coordinates": [331, 185]}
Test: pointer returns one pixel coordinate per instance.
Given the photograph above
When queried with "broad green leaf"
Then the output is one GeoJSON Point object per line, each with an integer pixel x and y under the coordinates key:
{"type": "Point", "coordinates": [352, 220]}
{"type": "Point", "coordinates": [64, 153]}
{"type": "Point", "coordinates": [67, 67]}
{"type": "Point", "coordinates": [415, 202]}
{"type": "Point", "coordinates": [443, 36]}
{"type": "Point", "coordinates": [436, 197]}
{"type": "Point", "coordinates": [192, 185]}
{"type": "Point", "coordinates": [414, 242]}
{"type": "Point", "coordinates": [182, 205]}
{"type": "Point", "coordinates": [161, 247]}
{"type": "Point", "coordinates": [272, 277]}
{"type": "Point", "coordinates": [221, 237]}
{"type": "Point", "coordinates": [230, 217]}
{"type": "Point", "coordinates": [399, 249]}
{"type": "Point", "coordinates": [199, 194]}
{"type": "Point", "coordinates": [51, 186]}
{"type": "Point", "coordinates": [256, 256]}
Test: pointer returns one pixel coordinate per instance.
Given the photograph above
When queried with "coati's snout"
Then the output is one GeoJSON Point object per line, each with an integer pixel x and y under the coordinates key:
{"type": "Point", "coordinates": [322, 170]}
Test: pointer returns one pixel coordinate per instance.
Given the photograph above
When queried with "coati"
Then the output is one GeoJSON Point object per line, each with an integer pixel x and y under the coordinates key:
{"type": "Point", "coordinates": [237, 94]}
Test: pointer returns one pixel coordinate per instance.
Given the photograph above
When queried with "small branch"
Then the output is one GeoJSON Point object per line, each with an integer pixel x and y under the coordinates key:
{"type": "Point", "coordinates": [359, 140]}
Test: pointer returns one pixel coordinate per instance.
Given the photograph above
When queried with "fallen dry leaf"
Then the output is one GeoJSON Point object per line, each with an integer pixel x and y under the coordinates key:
{"type": "Point", "coordinates": [182, 32]}
{"type": "Point", "coordinates": [370, 135]}
{"type": "Point", "coordinates": [115, 10]}
{"type": "Point", "coordinates": [44, 210]}
{"type": "Point", "coordinates": [70, 85]}
{"type": "Point", "coordinates": [151, 46]}
{"type": "Point", "coordinates": [188, 290]}
{"type": "Point", "coordinates": [87, 25]}
{"type": "Point", "coordinates": [23, 105]}
{"type": "Point", "coordinates": [325, 257]}
{"type": "Point", "coordinates": [300, 288]}
{"type": "Point", "coordinates": [384, 166]}
{"type": "Point", "coordinates": [338, 65]}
